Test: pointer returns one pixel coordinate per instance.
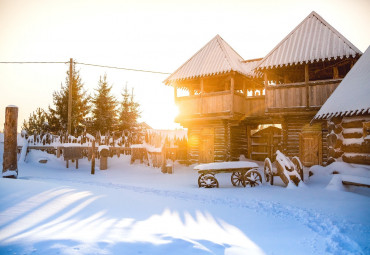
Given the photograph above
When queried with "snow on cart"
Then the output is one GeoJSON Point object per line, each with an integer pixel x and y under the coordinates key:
{"type": "Point", "coordinates": [288, 170]}
{"type": "Point", "coordinates": [242, 173]}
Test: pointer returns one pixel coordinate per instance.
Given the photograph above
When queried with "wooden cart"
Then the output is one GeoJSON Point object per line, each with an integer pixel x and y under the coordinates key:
{"type": "Point", "coordinates": [242, 173]}
{"type": "Point", "coordinates": [288, 170]}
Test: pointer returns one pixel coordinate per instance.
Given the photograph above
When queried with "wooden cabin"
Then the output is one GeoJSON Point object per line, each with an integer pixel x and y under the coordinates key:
{"type": "Point", "coordinates": [214, 84]}
{"type": "Point", "coordinates": [347, 112]}
{"type": "Point", "coordinates": [223, 98]}
{"type": "Point", "coordinates": [300, 73]}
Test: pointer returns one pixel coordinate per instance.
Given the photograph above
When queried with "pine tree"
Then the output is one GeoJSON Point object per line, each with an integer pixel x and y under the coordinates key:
{"type": "Point", "coordinates": [37, 122]}
{"type": "Point", "coordinates": [104, 108]}
{"type": "Point", "coordinates": [129, 112]}
{"type": "Point", "coordinates": [58, 117]}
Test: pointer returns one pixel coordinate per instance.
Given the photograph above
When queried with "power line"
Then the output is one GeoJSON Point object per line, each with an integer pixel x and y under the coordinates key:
{"type": "Point", "coordinates": [122, 68]}
{"type": "Point", "coordinates": [33, 62]}
{"type": "Point", "coordinates": [86, 64]}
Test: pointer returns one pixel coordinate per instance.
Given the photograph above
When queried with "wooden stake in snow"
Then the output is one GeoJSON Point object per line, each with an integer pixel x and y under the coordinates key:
{"type": "Point", "coordinates": [10, 167]}
{"type": "Point", "coordinates": [93, 157]}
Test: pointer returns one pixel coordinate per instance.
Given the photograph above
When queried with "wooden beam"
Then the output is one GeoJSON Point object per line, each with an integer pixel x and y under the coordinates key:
{"type": "Point", "coordinates": [306, 80]}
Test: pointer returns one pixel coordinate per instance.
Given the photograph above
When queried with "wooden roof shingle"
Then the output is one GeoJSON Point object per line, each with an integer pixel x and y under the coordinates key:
{"type": "Point", "coordinates": [312, 40]}
{"type": "Point", "coordinates": [216, 57]}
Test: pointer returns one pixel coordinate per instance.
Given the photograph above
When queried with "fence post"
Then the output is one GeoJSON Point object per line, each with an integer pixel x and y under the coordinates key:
{"type": "Point", "coordinates": [10, 167]}
{"type": "Point", "coordinates": [93, 157]}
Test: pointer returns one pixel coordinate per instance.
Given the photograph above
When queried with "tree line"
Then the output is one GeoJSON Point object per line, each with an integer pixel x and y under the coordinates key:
{"type": "Point", "coordinates": [101, 112]}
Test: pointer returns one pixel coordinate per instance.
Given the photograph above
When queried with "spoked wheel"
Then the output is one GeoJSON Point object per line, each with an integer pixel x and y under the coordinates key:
{"type": "Point", "coordinates": [267, 171]}
{"type": "Point", "coordinates": [237, 178]}
{"type": "Point", "coordinates": [207, 181]}
{"type": "Point", "coordinates": [253, 178]}
{"type": "Point", "coordinates": [298, 165]}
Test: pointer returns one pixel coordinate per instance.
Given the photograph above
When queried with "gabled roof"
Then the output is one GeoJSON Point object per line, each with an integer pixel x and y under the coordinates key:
{"type": "Point", "coordinates": [352, 96]}
{"type": "Point", "coordinates": [312, 40]}
{"type": "Point", "coordinates": [216, 57]}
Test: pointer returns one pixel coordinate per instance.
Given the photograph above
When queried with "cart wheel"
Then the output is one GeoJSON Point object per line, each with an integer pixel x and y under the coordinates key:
{"type": "Point", "coordinates": [253, 178]}
{"type": "Point", "coordinates": [298, 165]}
{"type": "Point", "coordinates": [237, 178]}
{"type": "Point", "coordinates": [201, 180]}
{"type": "Point", "coordinates": [267, 171]}
{"type": "Point", "coordinates": [207, 181]}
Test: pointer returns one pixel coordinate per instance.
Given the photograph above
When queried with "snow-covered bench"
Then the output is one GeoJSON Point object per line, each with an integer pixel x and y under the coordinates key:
{"type": "Point", "coordinates": [355, 180]}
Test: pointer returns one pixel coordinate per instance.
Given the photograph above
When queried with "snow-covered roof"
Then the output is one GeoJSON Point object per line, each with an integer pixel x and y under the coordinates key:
{"type": "Point", "coordinates": [312, 40]}
{"type": "Point", "coordinates": [216, 57]}
{"type": "Point", "coordinates": [352, 96]}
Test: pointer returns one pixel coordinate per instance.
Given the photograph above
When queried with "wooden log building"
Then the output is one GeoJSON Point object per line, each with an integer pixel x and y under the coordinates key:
{"type": "Point", "coordinates": [224, 100]}
{"type": "Point", "coordinates": [347, 112]}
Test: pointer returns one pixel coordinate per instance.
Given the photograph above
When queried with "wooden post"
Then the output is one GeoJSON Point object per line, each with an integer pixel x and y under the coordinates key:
{"type": "Point", "coordinates": [244, 90]}
{"type": "Point", "coordinates": [175, 91]}
{"type": "Point", "coordinates": [249, 142]}
{"type": "Point", "coordinates": [232, 88]}
{"type": "Point", "coordinates": [306, 80]}
{"type": "Point", "coordinates": [335, 72]}
{"type": "Point", "coordinates": [93, 157]}
{"type": "Point", "coordinates": [265, 85]}
{"type": "Point", "coordinates": [10, 167]}
{"type": "Point", "coordinates": [201, 95]}
{"type": "Point", "coordinates": [70, 96]}
{"type": "Point", "coordinates": [191, 92]}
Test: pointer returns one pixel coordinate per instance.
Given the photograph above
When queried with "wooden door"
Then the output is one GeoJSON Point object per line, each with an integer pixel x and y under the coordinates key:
{"type": "Point", "coordinates": [206, 145]}
{"type": "Point", "coordinates": [310, 148]}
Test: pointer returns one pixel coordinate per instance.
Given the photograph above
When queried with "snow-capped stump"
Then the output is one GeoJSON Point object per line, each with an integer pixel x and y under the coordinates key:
{"type": "Point", "coordinates": [104, 153]}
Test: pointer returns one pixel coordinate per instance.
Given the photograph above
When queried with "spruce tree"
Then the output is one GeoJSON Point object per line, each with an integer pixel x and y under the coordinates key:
{"type": "Point", "coordinates": [104, 108]}
{"type": "Point", "coordinates": [37, 122]}
{"type": "Point", "coordinates": [129, 112]}
{"type": "Point", "coordinates": [58, 117]}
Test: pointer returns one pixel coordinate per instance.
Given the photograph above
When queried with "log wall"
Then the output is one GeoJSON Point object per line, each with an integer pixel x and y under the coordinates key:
{"type": "Point", "coordinates": [348, 139]}
{"type": "Point", "coordinates": [230, 140]}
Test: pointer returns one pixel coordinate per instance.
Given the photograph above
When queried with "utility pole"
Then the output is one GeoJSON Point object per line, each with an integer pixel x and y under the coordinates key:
{"type": "Point", "coordinates": [70, 96]}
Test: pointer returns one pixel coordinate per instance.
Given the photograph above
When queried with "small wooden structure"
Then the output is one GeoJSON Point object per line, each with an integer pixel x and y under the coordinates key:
{"type": "Point", "coordinates": [72, 153]}
{"type": "Point", "coordinates": [242, 174]}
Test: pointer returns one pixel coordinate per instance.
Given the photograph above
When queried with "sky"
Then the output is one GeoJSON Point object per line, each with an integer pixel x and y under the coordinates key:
{"type": "Point", "coordinates": [146, 35]}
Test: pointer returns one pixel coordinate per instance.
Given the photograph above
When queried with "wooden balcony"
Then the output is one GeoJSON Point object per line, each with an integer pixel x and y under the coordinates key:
{"type": "Point", "coordinates": [219, 105]}
{"type": "Point", "coordinates": [299, 97]}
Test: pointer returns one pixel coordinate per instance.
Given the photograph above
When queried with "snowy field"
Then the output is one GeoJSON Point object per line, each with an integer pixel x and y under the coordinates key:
{"type": "Point", "coordinates": [133, 209]}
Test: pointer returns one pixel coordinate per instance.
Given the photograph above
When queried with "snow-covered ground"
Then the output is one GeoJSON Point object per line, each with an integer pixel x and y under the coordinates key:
{"type": "Point", "coordinates": [134, 209]}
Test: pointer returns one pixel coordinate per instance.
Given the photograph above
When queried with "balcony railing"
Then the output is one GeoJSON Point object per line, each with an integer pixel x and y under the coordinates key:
{"type": "Point", "coordinates": [296, 96]}
{"type": "Point", "coordinates": [220, 104]}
